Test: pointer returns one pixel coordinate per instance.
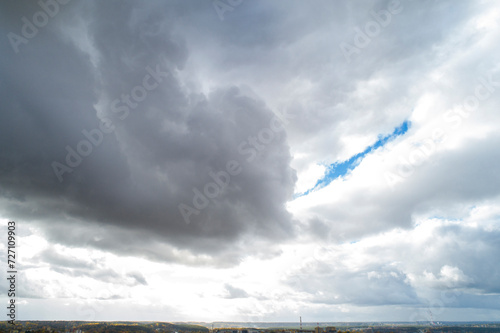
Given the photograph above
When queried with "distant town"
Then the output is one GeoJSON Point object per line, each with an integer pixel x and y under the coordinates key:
{"type": "Point", "coordinates": [238, 327]}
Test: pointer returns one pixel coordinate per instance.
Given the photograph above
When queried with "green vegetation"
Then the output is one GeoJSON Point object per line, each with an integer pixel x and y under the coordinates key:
{"type": "Point", "coordinates": [100, 327]}
{"type": "Point", "coordinates": [156, 327]}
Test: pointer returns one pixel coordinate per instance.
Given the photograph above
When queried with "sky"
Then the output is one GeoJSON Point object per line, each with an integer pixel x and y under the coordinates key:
{"type": "Point", "coordinates": [237, 160]}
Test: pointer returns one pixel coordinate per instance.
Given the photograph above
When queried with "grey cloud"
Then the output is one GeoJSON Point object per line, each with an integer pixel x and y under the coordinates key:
{"type": "Point", "coordinates": [329, 284]}
{"type": "Point", "coordinates": [40, 288]}
{"type": "Point", "coordinates": [165, 147]}
{"type": "Point", "coordinates": [452, 267]}
{"type": "Point", "coordinates": [472, 250]}
{"type": "Point", "coordinates": [138, 277]}
{"type": "Point", "coordinates": [53, 257]}
{"type": "Point", "coordinates": [106, 275]}
{"type": "Point", "coordinates": [112, 297]}
{"type": "Point", "coordinates": [75, 267]}
{"type": "Point", "coordinates": [234, 292]}
{"type": "Point", "coordinates": [168, 144]}
{"type": "Point", "coordinates": [307, 73]}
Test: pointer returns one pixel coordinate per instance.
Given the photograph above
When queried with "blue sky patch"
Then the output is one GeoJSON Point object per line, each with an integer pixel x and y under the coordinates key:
{"type": "Point", "coordinates": [340, 169]}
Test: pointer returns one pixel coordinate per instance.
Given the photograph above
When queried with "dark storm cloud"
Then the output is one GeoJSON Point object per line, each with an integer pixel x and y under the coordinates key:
{"type": "Point", "coordinates": [162, 149]}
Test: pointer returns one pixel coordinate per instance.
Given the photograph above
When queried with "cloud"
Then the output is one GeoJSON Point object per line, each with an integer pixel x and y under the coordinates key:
{"type": "Point", "coordinates": [155, 135]}
{"type": "Point", "coordinates": [71, 266]}
{"type": "Point", "coordinates": [138, 277]}
{"type": "Point", "coordinates": [164, 148]}
{"type": "Point", "coordinates": [234, 292]}
{"type": "Point", "coordinates": [334, 283]}
{"type": "Point", "coordinates": [438, 264]}
{"type": "Point", "coordinates": [366, 204]}
{"type": "Point", "coordinates": [50, 255]}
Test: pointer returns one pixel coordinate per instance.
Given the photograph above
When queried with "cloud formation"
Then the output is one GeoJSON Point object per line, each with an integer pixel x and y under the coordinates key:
{"type": "Point", "coordinates": [150, 153]}
{"type": "Point", "coordinates": [163, 143]}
